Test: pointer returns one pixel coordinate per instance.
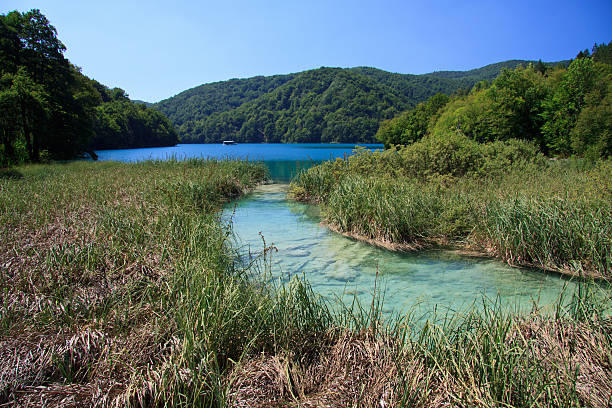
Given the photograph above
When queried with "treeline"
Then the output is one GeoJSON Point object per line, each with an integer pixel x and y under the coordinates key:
{"type": "Point", "coordinates": [321, 105]}
{"type": "Point", "coordinates": [564, 111]}
{"type": "Point", "coordinates": [50, 110]}
{"type": "Point", "coordinates": [121, 123]}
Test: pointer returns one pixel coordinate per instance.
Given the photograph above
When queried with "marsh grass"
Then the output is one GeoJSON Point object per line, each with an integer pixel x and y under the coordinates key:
{"type": "Point", "coordinates": [485, 356]}
{"type": "Point", "coordinates": [119, 287]}
{"type": "Point", "coordinates": [555, 215]}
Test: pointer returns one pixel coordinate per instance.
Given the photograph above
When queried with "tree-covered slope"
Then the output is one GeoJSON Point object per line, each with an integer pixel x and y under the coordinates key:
{"type": "Point", "coordinates": [50, 110]}
{"type": "Point", "coordinates": [321, 105]}
{"type": "Point", "coordinates": [201, 101]}
{"type": "Point", "coordinates": [120, 123]}
{"type": "Point", "coordinates": [416, 88]}
{"type": "Point", "coordinates": [563, 111]}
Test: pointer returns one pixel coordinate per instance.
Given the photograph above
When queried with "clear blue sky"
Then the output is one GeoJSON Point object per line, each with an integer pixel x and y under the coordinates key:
{"type": "Point", "coordinates": [155, 49]}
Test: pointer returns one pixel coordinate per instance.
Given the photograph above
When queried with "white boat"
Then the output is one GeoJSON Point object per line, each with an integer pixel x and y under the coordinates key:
{"type": "Point", "coordinates": [229, 142]}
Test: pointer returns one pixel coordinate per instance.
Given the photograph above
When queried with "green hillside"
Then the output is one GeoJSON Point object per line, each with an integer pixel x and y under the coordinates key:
{"type": "Point", "coordinates": [320, 105]}
{"type": "Point", "coordinates": [488, 72]}
{"type": "Point", "coordinates": [201, 101]}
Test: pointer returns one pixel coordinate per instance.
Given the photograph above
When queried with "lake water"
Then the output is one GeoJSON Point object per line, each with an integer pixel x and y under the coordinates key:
{"type": "Point", "coordinates": [340, 267]}
{"type": "Point", "coordinates": [283, 160]}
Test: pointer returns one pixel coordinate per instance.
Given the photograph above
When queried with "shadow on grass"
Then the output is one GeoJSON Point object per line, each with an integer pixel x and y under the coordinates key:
{"type": "Point", "coordinates": [10, 174]}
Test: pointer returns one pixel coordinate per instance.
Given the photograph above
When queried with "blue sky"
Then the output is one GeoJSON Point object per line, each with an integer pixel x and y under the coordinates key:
{"type": "Point", "coordinates": [155, 49]}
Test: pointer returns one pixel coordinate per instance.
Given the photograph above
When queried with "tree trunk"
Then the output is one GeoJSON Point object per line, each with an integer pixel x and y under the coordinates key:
{"type": "Point", "coordinates": [26, 132]}
{"type": "Point", "coordinates": [9, 149]}
{"type": "Point", "coordinates": [36, 146]}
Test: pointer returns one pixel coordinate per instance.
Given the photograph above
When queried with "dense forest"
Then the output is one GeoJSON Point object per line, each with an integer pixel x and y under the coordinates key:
{"type": "Point", "coordinates": [321, 105]}
{"type": "Point", "coordinates": [563, 110]}
{"type": "Point", "coordinates": [50, 110]}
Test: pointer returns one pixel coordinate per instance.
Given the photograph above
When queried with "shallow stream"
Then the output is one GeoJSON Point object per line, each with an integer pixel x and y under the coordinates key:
{"type": "Point", "coordinates": [340, 267]}
{"type": "Point", "coordinates": [337, 266]}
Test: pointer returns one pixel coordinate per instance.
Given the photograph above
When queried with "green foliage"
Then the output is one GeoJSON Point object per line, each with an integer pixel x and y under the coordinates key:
{"type": "Point", "coordinates": [204, 100]}
{"type": "Point", "coordinates": [455, 155]}
{"type": "Point", "coordinates": [322, 105]}
{"type": "Point", "coordinates": [412, 125]}
{"type": "Point", "coordinates": [22, 102]}
{"type": "Point", "coordinates": [603, 53]}
{"type": "Point", "coordinates": [563, 111]}
{"type": "Point", "coordinates": [592, 134]}
{"type": "Point", "coordinates": [38, 85]}
{"type": "Point", "coordinates": [121, 123]}
{"type": "Point", "coordinates": [50, 110]}
{"type": "Point", "coordinates": [508, 109]}
{"type": "Point", "coordinates": [567, 100]}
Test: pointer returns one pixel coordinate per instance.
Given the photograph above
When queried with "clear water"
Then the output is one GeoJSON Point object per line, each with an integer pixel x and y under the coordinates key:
{"type": "Point", "coordinates": [340, 267]}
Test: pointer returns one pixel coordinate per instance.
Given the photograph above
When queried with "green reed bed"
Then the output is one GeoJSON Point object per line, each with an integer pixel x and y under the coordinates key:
{"type": "Point", "coordinates": [557, 234]}
{"type": "Point", "coordinates": [119, 287]}
{"type": "Point", "coordinates": [504, 199]}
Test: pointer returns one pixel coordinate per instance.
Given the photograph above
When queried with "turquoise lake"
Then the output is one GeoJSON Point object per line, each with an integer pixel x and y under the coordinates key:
{"type": "Point", "coordinates": [340, 267]}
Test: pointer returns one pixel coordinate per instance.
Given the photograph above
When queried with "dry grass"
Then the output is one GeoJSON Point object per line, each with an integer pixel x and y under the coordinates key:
{"type": "Point", "coordinates": [357, 369]}
{"type": "Point", "coordinates": [365, 369]}
{"type": "Point", "coordinates": [578, 353]}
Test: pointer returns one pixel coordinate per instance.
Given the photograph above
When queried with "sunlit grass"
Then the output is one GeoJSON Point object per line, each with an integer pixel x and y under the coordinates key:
{"type": "Point", "coordinates": [555, 215]}
{"type": "Point", "coordinates": [119, 287]}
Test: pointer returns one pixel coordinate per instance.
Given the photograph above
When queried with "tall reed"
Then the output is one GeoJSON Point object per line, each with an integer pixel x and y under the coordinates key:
{"type": "Point", "coordinates": [119, 287]}
{"type": "Point", "coordinates": [512, 203]}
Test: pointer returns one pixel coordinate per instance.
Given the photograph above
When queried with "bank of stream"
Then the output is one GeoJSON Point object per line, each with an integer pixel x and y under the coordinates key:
{"type": "Point", "coordinates": [341, 267]}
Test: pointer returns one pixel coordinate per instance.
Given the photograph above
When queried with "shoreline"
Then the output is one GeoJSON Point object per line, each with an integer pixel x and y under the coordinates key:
{"type": "Point", "coordinates": [457, 248]}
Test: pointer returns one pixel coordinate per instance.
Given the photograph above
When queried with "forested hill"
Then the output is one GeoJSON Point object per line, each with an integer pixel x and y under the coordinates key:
{"type": "Point", "coordinates": [321, 105]}
{"type": "Point", "coordinates": [204, 100]}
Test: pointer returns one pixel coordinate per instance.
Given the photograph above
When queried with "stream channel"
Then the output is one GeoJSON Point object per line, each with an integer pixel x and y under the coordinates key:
{"type": "Point", "coordinates": [338, 267]}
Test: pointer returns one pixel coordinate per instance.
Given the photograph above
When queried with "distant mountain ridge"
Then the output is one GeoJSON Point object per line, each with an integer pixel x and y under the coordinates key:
{"type": "Point", "coordinates": [319, 105]}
